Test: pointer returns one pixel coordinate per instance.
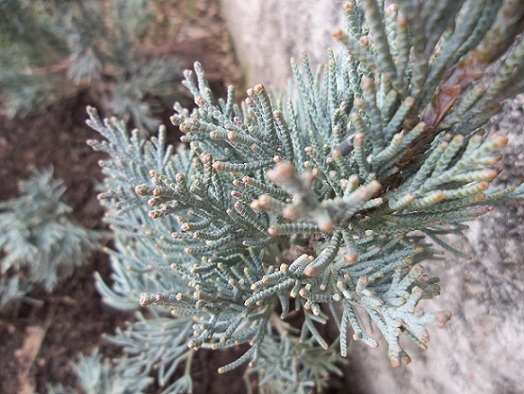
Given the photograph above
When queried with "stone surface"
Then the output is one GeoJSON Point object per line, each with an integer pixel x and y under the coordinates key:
{"type": "Point", "coordinates": [267, 33]}
{"type": "Point", "coordinates": [481, 348]}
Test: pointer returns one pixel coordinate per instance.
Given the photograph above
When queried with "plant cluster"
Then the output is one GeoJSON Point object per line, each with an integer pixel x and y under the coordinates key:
{"type": "Point", "coordinates": [39, 243]}
{"type": "Point", "coordinates": [52, 49]}
{"type": "Point", "coordinates": [278, 215]}
{"type": "Point", "coordinates": [96, 376]}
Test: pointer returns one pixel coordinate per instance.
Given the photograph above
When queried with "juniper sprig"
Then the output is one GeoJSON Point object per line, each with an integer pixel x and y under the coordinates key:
{"type": "Point", "coordinates": [39, 242]}
{"type": "Point", "coordinates": [324, 206]}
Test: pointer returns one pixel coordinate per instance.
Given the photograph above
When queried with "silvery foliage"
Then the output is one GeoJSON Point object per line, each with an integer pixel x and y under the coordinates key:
{"type": "Point", "coordinates": [39, 242]}
{"type": "Point", "coordinates": [277, 216]}
{"type": "Point", "coordinates": [97, 376]}
{"type": "Point", "coordinates": [54, 48]}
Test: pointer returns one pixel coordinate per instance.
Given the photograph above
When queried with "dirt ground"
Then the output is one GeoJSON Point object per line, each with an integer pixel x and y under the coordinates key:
{"type": "Point", "coordinates": [39, 343]}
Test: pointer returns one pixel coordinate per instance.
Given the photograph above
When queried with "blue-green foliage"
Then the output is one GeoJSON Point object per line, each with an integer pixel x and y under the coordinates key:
{"type": "Point", "coordinates": [139, 265]}
{"type": "Point", "coordinates": [12, 289]}
{"type": "Point", "coordinates": [145, 343]}
{"type": "Point", "coordinates": [50, 49]}
{"type": "Point", "coordinates": [324, 206]}
{"type": "Point", "coordinates": [97, 376]}
{"type": "Point", "coordinates": [292, 362]}
{"type": "Point", "coordinates": [39, 242]}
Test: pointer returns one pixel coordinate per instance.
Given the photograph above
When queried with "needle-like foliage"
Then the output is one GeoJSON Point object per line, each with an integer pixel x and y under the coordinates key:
{"type": "Point", "coordinates": [277, 216]}
{"type": "Point", "coordinates": [52, 49]}
{"type": "Point", "coordinates": [39, 243]}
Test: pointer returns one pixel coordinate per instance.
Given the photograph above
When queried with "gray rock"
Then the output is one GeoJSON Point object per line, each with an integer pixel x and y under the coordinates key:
{"type": "Point", "coordinates": [481, 350]}
{"type": "Point", "coordinates": [267, 33]}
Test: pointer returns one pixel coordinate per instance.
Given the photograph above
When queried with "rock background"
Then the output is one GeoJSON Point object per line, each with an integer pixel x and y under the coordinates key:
{"type": "Point", "coordinates": [267, 33]}
{"type": "Point", "coordinates": [481, 350]}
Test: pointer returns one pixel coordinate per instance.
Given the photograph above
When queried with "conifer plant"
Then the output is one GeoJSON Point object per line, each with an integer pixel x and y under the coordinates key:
{"type": "Point", "coordinates": [277, 216]}
{"type": "Point", "coordinates": [39, 242]}
{"type": "Point", "coordinates": [52, 49]}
